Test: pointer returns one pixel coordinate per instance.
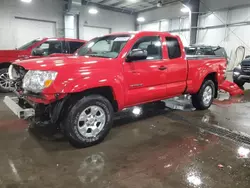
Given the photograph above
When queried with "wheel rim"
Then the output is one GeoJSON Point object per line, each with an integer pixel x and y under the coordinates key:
{"type": "Point", "coordinates": [207, 95]}
{"type": "Point", "coordinates": [91, 121]}
{"type": "Point", "coordinates": [5, 82]}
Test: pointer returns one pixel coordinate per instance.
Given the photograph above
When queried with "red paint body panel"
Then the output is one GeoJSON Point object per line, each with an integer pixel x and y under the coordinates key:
{"type": "Point", "coordinates": [132, 83]}
{"type": "Point", "coordinates": [9, 56]}
{"type": "Point", "coordinates": [200, 68]}
{"type": "Point", "coordinates": [232, 88]}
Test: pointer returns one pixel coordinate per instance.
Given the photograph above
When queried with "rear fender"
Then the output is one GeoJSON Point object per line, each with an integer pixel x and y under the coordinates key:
{"type": "Point", "coordinates": [199, 79]}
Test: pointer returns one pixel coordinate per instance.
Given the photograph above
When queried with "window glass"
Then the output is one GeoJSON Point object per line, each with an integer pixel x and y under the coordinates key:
{"type": "Point", "coordinates": [29, 44]}
{"type": "Point", "coordinates": [173, 46]}
{"type": "Point", "coordinates": [106, 47]}
{"type": "Point", "coordinates": [51, 47]}
{"type": "Point", "coordinates": [220, 52]}
{"type": "Point", "coordinates": [152, 45]}
{"type": "Point", "coordinates": [73, 46]}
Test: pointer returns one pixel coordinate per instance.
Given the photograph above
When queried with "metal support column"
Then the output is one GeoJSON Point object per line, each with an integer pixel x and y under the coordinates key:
{"type": "Point", "coordinates": [194, 6]}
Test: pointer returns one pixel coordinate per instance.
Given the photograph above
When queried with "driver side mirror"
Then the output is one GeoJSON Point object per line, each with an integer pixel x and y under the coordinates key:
{"type": "Point", "coordinates": [38, 52]}
{"type": "Point", "coordinates": [137, 54]}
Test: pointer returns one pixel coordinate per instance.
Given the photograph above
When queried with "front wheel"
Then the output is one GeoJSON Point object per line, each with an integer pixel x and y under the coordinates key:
{"type": "Point", "coordinates": [89, 121]}
{"type": "Point", "coordinates": [5, 82]}
{"type": "Point", "coordinates": [204, 98]}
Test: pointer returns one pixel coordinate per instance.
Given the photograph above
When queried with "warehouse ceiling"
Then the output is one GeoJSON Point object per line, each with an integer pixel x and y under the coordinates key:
{"type": "Point", "coordinates": [127, 6]}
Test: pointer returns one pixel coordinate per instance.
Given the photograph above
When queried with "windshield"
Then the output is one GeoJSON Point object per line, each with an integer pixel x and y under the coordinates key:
{"type": "Point", "coordinates": [29, 44]}
{"type": "Point", "coordinates": [106, 47]}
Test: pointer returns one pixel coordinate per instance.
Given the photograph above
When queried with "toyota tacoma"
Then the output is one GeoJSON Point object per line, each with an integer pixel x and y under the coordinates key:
{"type": "Point", "coordinates": [81, 93]}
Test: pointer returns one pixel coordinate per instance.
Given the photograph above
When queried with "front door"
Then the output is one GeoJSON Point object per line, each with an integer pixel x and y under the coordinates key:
{"type": "Point", "coordinates": [146, 79]}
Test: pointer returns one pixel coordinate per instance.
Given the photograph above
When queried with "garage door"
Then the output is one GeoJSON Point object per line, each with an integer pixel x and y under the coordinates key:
{"type": "Point", "coordinates": [27, 30]}
{"type": "Point", "coordinates": [88, 32]}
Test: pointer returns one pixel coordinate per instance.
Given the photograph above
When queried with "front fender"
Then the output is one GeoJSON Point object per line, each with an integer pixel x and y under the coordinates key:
{"type": "Point", "coordinates": [83, 83]}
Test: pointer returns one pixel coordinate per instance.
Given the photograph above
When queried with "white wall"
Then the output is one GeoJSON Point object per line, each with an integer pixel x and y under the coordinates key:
{"type": "Point", "coordinates": [117, 22]}
{"type": "Point", "coordinates": [166, 12]}
{"type": "Point", "coordinates": [168, 18]}
{"type": "Point", "coordinates": [50, 10]}
{"type": "Point", "coordinates": [229, 36]}
{"type": "Point", "coordinates": [213, 5]}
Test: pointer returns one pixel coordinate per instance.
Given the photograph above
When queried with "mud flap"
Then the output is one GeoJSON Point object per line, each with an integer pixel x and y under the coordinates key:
{"type": "Point", "coordinates": [232, 88]}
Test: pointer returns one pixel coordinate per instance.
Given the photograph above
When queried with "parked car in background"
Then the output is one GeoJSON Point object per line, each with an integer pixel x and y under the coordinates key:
{"type": "Point", "coordinates": [34, 49]}
{"type": "Point", "coordinates": [111, 73]}
{"type": "Point", "coordinates": [197, 50]}
{"type": "Point", "coordinates": [241, 73]}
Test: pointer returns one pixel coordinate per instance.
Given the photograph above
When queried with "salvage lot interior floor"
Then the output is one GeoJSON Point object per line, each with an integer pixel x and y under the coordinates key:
{"type": "Point", "coordinates": [165, 147]}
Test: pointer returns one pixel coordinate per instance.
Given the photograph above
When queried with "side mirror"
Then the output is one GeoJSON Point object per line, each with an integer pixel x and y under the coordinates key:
{"type": "Point", "coordinates": [137, 54]}
{"type": "Point", "coordinates": [38, 52]}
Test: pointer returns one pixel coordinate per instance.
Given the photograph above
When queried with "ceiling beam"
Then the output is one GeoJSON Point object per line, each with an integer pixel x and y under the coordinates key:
{"type": "Point", "coordinates": [165, 3]}
{"type": "Point", "coordinates": [103, 1]}
{"type": "Point", "coordinates": [121, 2]}
{"type": "Point", "coordinates": [121, 10]}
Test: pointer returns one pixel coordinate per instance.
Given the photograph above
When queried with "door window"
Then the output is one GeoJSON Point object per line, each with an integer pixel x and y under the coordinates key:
{"type": "Point", "coordinates": [51, 47]}
{"type": "Point", "coordinates": [152, 44]}
{"type": "Point", "coordinates": [73, 46]}
{"type": "Point", "coordinates": [173, 46]}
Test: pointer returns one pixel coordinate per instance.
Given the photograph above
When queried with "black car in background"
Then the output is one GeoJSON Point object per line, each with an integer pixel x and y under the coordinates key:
{"type": "Point", "coordinates": [203, 50]}
{"type": "Point", "coordinates": [241, 73]}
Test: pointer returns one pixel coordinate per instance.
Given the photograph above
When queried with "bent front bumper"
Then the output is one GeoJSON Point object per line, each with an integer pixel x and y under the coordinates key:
{"type": "Point", "coordinates": [22, 113]}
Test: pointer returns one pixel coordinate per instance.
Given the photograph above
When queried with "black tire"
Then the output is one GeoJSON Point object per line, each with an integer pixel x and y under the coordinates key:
{"type": "Point", "coordinates": [197, 99]}
{"type": "Point", "coordinates": [2, 89]}
{"type": "Point", "coordinates": [71, 123]}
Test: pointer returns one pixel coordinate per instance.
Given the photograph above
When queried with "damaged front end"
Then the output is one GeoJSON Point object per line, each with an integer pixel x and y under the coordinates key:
{"type": "Point", "coordinates": [32, 106]}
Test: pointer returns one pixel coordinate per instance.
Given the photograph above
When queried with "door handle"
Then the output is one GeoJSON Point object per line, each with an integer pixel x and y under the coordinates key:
{"type": "Point", "coordinates": [162, 68]}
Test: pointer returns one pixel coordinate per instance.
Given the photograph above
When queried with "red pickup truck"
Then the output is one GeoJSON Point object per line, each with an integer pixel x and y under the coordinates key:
{"type": "Point", "coordinates": [110, 73]}
{"type": "Point", "coordinates": [34, 49]}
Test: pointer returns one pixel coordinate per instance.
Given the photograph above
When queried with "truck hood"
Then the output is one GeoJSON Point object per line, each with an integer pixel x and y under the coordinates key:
{"type": "Point", "coordinates": [11, 53]}
{"type": "Point", "coordinates": [57, 63]}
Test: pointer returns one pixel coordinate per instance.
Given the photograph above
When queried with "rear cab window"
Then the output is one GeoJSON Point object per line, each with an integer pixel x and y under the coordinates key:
{"type": "Point", "coordinates": [173, 47]}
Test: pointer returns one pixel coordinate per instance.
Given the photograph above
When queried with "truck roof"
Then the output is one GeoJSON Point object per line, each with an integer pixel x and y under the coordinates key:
{"type": "Point", "coordinates": [143, 33]}
{"type": "Point", "coordinates": [65, 39]}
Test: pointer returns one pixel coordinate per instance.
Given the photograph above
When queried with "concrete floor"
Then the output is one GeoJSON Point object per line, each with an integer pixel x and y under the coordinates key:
{"type": "Point", "coordinates": [163, 148]}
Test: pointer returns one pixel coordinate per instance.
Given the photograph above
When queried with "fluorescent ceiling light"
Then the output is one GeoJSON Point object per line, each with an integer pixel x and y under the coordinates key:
{"type": "Point", "coordinates": [26, 1]}
{"type": "Point", "coordinates": [141, 19]}
{"type": "Point", "coordinates": [93, 11]}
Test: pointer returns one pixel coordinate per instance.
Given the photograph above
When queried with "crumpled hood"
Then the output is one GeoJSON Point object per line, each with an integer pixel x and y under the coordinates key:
{"type": "Point", "coordinates": [58, 63]}
{"type": "Point", "coordinates": [11, 53]}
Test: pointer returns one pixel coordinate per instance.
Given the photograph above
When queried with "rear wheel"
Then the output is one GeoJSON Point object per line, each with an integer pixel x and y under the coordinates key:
{"type": "Point", "coordinates": [5, 82]}
{"type": "Point", "coordinates": [204, 98]}
{"type": "Point", "coordinates": [89, 121]}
